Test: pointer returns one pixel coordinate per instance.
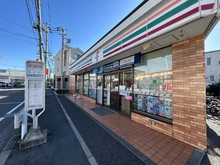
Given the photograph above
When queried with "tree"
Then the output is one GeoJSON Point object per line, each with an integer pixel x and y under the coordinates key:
{"type": "Point", "coordinates": [213, 89]}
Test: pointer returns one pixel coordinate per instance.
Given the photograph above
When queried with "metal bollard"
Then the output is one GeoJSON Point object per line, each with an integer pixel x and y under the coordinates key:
{"type": "Point", "coordinates": [16, 120]}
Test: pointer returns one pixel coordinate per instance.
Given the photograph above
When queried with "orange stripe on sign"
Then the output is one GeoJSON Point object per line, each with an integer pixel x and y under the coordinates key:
{"type": "Point", "coordinates": [164, 9]}
{"type": "Point", "coordinates": [130, 31]}
{"type": "Point", "coordinates": [144, 22]}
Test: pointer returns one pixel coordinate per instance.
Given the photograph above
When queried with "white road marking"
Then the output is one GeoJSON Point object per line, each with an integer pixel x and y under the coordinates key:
{"type": "Point", "coordinates": [86, 150]}
{"type": "Point", "coordinates": [2, 118]}
{"type": "Point", "coordinates": [15, 108]}
{"type": "Point", "coordinates": [10, 103]}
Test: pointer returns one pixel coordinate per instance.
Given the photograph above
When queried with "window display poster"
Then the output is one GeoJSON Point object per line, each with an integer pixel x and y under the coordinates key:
{"type": "Point", "coordinates": [35, 94]}
{"type": "Point", "coordinates": [168, 104]}
{"type": "Point", "coordinates": [135, 86]}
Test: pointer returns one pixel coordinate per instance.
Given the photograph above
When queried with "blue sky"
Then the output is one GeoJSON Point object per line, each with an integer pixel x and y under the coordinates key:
{"type": "Point", "coordinates": [86, 22]}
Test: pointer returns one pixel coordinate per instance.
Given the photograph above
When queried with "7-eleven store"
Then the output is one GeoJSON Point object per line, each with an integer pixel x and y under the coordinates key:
{"type": "Point", "coordinates": [151, 67]}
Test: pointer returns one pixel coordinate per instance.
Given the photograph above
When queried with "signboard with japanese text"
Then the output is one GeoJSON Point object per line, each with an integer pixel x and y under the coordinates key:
{"type": "Point", "coordinates": [34, 85]}
{"type": "Point", "coordinates": [134, 59]}
{"type": "Point", "coordinates": [111, 66]}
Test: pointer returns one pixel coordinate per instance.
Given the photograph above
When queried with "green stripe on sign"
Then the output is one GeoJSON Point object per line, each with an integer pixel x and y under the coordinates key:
{"type": "Point", "coordinates": [143, 29]}
{"type": "Point", "coordinates": [171, 13]}
{"type": "Point", "coordinates": [112, 47]}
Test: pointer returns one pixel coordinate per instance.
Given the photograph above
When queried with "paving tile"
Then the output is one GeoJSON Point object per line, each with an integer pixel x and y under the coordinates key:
{"type": "Point", "coordinates": [162, 163]}
{"type": "Point", "coordinates": [174, 154]}
{"type": "Point", "coordinates": [155, 159]}
{"type": "Point", "coordinates": [148, 154]}
{"type": "Point", "coordinates": [163, 153]}
{"type": "Point", "coordinates": [142, 149]}
{"type": "Point", "coordinates": [160, 148]}
{"type": "Point", "coordinates": [170, 157]}
{"type": "Point", "coordinates": [166, 161]}
{"type": "Point", "coordinates": [152, 151]}
{"type": "Point", "coordinates": [159, 156]}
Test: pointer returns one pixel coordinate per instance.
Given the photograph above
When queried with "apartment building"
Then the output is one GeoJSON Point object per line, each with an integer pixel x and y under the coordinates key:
{"type": "Point", "coordinates": [212, 67]}
{"type": "Point", "coordinates": [70, 56]}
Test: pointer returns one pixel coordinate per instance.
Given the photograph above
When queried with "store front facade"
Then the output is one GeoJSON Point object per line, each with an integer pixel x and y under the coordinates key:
{"type": "Point", "coordinates": [153, 69]}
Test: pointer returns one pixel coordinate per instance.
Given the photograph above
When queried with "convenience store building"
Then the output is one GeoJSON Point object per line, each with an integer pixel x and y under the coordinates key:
{"type": "Point", "coordinates": [151, 67]}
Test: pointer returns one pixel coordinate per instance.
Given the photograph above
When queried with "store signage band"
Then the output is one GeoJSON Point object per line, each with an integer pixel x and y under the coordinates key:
{"type": "Point", "coordinates": [111, 66]}
{"type": "Point", "coordinates": [97, 70]}
{"type": "Point", "coordinates": [134, 59]}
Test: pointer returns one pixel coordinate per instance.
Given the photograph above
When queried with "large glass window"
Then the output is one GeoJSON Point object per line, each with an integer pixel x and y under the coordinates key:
{"type": "Point", "coordinates": [92, 86]}
{"type": "Point", "coordinates": [86, 84]}
{"type": "Point", "coordinates": [79, 84]}
{"type": "Point", "coordinates": [153, 84]}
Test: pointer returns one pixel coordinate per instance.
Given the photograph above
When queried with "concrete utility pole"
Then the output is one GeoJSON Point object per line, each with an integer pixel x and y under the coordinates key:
{"type": "Point", "coordinates": [39, 27]}
{"type": "Point", "coordinates": [47, 51]}
{"type": "Point", "coordinates": [64, 33]}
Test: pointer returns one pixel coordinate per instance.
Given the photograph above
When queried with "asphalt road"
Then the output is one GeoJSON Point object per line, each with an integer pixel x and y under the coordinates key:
{"type": "Point", "coordinates": [9, 99]}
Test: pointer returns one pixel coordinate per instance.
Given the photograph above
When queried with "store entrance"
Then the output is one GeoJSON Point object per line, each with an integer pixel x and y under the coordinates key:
{"type": "Point", "coordinates": [118, 91]}
{"type": "Point", "coordinates": [110, 96]}
{"type": "Point", "coordinates": [125, 92]}
{"type": "Point", "coordinates": [114, 100]}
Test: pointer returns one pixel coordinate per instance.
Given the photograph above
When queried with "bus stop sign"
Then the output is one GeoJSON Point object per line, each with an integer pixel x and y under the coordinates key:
{"type": "Point", "coordinates": [34, 85]}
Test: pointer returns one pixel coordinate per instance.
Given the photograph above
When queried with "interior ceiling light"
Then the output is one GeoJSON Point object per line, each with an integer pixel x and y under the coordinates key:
{"type": "Point", "coordinates": [146, 46]}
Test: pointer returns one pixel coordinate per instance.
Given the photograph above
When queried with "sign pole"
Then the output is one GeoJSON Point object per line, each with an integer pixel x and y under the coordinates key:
{"type": "Point", "coordinates": [34, 99]}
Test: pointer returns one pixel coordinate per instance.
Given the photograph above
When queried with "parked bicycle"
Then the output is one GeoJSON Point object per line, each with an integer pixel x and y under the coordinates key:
{"type": "Point", "coordinates": [213, 105]}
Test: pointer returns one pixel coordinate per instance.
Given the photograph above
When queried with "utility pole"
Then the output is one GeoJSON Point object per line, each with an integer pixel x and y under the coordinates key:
{"type": "Point", "coordinates": [47, 51]}
{"type": "Point", "coordinates": [39, 27]}
{"type": "Point", "coordinates": [62, 57]}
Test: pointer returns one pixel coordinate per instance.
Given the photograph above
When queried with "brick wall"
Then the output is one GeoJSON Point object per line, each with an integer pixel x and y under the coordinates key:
{"type": "Point", "coordinates": [159, 126]}
{"type": "Point", "coordinates": [189, 103]}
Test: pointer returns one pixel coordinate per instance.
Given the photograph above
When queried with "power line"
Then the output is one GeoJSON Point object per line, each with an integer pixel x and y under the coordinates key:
{"type": "Point", "coordinates": [12, 65]}
{"type": "Point", "coordinates": [17, 39]}
{"type": "Point", "coordinates": [48, 5]}
{"type": "Point", "coordinates": [14, 33]}
{"type": "Point", "coordinates": [14, 23]}
{"type": "Point", "coordinates": [31, 18]}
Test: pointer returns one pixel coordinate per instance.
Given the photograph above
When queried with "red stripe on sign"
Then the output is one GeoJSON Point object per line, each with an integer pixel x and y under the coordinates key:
{"type": "Point", "coordinates": [87, 65]}
{"type": "Point", "coordinates": [193, 11]}
{"type": "Point", "coordinates": [135, 40]}
{"type": "Point", "coordinates": [207, 7]}
{"type": "Point", "coordinates": [112, 51]}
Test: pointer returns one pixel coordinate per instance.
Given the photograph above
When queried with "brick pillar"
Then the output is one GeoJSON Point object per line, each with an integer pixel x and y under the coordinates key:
{"type": "Point", "coordinates": [72, 84]}
{"type": "Point", "coordinates": [189, 92]}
